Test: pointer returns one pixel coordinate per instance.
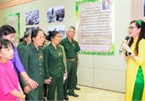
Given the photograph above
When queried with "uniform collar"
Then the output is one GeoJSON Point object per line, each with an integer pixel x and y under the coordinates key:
{"type": "Point", "coordinates": [53, 46]}
{"type": "Point", "coordinates": [69, 41]}
{"type": "Point", "coordinates": [23, 43]}
{"type": "Point", "coordinates": [32, 46]}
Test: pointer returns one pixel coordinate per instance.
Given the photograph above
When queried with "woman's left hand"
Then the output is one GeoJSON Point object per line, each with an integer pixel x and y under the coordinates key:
{"type": "Point", "coordinates": [33, 84]}
{"type": "Point", "coordinates": [48, 81]}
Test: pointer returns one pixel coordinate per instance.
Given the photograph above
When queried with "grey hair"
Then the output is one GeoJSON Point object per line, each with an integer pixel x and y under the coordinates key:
{"type": "Point", "coordinates": [26, 34]}
{"type": "Point", "coordinates": [66, 30]}
{"type": "Point", "coordinates": [70, 27]}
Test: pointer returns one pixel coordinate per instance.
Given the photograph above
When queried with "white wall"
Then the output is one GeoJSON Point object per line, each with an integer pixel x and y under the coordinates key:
{"type": "Point", "coordinates": [106, 72]}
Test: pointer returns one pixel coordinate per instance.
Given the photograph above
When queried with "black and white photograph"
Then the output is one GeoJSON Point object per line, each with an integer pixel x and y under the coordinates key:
{"type": "Point", "coordinates": [32, 17]}
{"type": "Point", "coordinates": [56, 14]}
{"type": "Point", "coordinates": [59, 28]}
{"type": "Point", "coordinates": [105, 4]}
{"type": "Point", "coordinates": [31, 28]}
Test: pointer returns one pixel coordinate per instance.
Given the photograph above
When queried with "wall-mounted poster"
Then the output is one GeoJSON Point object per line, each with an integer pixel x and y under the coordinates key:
{"type": "Point", "coordinates": [31, 28]}
{"type": "Point", "coordinates": [32, 17]}
{"type": "Point", "coordinates": [14, 21]}
{"type": "Point", "coordinates": [95, 26]}
{"type": "Point", "coordinates": [59, 28]}
{"type": "Point", "coordinates": [56, 14]}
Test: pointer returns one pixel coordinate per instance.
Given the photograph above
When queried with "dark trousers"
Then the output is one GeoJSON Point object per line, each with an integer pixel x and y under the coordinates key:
{"type": "Point", "coordinates": [45, 90]}
{"type": "Point", "coordinates": [55, 82]}
{"type": "Point", "coordinates": [36, 94]}
{"type": "Point", "coordinates": [70, 82]}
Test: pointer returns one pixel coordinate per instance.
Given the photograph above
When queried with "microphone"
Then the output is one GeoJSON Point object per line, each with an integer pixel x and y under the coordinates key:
{"type": "Point", "coordinates": [126, 39]}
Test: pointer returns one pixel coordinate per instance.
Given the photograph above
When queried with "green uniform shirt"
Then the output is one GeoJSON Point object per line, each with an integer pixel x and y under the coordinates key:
{"type": "Point", "coordinates": [33, 61]}
{"type": "Point", "coordinates": [54, 61]}
{"type": "Point", "coordinates": [71, 49]}
{"type": "Point", "coordinates": [64, 57]}
{"type": "Point", "coordinates": [21, 45]}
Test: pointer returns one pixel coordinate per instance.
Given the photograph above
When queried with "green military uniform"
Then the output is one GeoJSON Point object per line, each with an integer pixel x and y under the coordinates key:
{"type": "Point", "coordinates": [33, 61]}
{"type": "Point", "coordinates": [64, 57]}
{"type": "Point", "coordinates": [55, 65]}
{"type": "Point", "coordinates": [71, 50]}
{"type": "Point", "coordinates": [20, 46]}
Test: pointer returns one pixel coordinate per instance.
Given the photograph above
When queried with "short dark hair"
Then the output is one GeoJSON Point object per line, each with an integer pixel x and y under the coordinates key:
{"type": "Point", "coordinates": [51, 34]}
{"type": "Point", "coordinates": [34, 33]}
{"type": "Point", "coordinates": [72, 27]}
{"type": "Point", "coordinates": [5, 43]}
{"type": "Point", "coordinates": [21, 39]}
{"type": "Point", "coordinates": [6, 30]}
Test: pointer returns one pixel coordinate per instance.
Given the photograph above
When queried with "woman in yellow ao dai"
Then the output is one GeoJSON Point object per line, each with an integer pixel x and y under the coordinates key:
{"type": "Point", "coordinates": [135, 55]}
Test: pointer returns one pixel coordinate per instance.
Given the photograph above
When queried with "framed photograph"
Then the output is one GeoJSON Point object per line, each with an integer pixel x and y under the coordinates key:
{"type": "Point", "coordinates": [105, 4]}
{"type": "Point", "coordinates": [32, 17]}
{"type": "Point", "coordinates": [56, 14]}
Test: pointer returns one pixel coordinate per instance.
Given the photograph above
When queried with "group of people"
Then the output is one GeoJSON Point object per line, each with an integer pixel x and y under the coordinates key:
{"type": "Point", "coordinates": [35, 63]}
{"type": "Point", "coordinates": [26, 68]}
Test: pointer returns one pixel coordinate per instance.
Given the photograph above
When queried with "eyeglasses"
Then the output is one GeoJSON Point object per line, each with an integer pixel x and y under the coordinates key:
{"type": "Point", "coordinates": [131, 27]}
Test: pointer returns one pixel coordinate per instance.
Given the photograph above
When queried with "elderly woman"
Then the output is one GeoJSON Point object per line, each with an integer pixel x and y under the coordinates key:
{"type": "Point", "coordinates": [32, 58]}
{"type": "Point", "coordinates": [26, 40]}
{"type": "Point", "coordinates": [55, 65]}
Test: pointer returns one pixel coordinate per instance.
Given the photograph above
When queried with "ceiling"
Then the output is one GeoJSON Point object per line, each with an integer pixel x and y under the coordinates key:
{"type": "Point", "coordinates": [3, 1]}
